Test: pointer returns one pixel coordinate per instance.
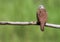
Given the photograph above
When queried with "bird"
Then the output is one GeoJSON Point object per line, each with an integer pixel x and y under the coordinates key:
{"type": "Point", "coordinates": [41, 17]}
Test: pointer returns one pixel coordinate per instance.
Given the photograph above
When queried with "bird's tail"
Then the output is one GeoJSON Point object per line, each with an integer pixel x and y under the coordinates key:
{"type": "Point", "coordinates": [42, 26]}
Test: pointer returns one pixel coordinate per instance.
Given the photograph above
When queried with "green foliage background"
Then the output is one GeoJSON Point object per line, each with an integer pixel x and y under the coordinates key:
{"type": "Point", "coordinates": [25, 10]}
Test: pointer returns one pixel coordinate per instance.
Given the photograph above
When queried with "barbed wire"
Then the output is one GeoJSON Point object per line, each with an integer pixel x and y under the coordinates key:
{"type": "Point", "coordinates": [27, 23]}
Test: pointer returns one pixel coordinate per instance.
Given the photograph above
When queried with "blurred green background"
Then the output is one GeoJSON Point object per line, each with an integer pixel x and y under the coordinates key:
{"type": "Point", "coordinates": [25, 10]}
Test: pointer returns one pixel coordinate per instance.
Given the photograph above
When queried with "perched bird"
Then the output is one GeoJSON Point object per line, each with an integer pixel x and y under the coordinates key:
{"type": "Point", "coordinates": [41, 17]}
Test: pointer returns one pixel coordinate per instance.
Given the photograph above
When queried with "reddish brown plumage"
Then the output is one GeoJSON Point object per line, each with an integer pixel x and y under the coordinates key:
{"type": "Point", "coordinates": [42, 17]}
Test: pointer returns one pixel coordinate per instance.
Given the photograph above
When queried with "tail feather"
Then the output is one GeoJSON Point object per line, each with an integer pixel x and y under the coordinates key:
{"type": "Point", "coordinates": [42, 26]}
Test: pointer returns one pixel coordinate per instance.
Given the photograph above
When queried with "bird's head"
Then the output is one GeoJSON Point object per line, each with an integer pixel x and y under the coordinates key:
{"type": "Point", "coordinates": [41, 7]}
